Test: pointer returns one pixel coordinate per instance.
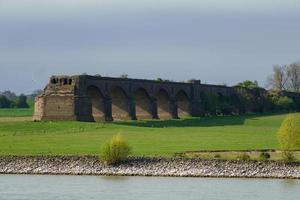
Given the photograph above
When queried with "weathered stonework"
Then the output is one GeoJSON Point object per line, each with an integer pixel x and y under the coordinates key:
{"type": "Point", "coordinates": [96, 98]}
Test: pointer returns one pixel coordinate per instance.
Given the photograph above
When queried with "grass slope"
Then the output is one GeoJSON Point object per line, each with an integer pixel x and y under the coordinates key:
{"type": "Point", "coordinates": [21, 136]}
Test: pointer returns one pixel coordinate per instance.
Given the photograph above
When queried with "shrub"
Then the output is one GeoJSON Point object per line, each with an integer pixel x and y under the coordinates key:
{"type": "Point", "coordinates": [244, 157]}
{"type": "Point", "coordinates": [115, 150]}
{"type": "Point", "coordinates": [289, 137]}
{"type": "Point", "coordinates": [218, 156]}
{"type": "Point", "coordinates": [285, 103]}
{"type": "Point", "coordinates": [288, 156]}
{"type": "Point", "coordinates": [264, 156]}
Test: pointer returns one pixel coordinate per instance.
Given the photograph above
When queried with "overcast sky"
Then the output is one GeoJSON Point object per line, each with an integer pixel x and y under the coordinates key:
{"type": "Point", "coordinates": [213, 40]}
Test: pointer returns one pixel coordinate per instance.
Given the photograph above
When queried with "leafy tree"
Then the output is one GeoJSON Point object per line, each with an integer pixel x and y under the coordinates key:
{"type": "Point", "coordinates": [248, 84]}
{"type": "Point", "coordinates": [5, 102]}
{"type": "Point", "coordinates": [289, 137]}
{"type": "Point", "coordinates": [285, 103]}
{"type": "Point", "coordinates": [9, 95]}
{"type": "Point", "coordinates": [22, 102]}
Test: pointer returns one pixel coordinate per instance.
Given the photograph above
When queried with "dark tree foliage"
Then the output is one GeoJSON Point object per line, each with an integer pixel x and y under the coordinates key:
{"type": "Point", "coordinates": [22, 102]}
{"type": "Point", "coordinates": [5, 102]}
{"type": "Point", "coordinates": [245, 100]}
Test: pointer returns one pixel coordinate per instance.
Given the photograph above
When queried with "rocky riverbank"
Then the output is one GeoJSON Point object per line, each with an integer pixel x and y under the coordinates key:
{"type": "Point", "coordinates": [144, 166]}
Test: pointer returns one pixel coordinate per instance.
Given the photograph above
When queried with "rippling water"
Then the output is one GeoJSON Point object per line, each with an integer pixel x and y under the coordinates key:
{"type": "Point", "coordinates": [29, 187]}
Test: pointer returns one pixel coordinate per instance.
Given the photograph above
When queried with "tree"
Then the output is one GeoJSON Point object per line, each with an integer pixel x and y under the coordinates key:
{"type": "Point", "coordinates": [293, 74]}
{"type": "Point", "coordinates": [5, 102]}
{"type": "Point", "coordinates": [285, 77]}
{"type": "Point", "coordinates": [124, 76]}
{"type": "Point", "coordinates": [248, 84]}
{"type": "Point", "coordinates": [9, 95]}
{"type": "Point", "coordinates": [279, 78]}
{"type": "Point", "coordinates": [289, 136]}
{"type": "Point", "coordinates": [22, 102]}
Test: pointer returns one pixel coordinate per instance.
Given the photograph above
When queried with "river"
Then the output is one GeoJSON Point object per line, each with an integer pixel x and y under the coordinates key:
{"type": "Point", "coordinates": [33, 187]}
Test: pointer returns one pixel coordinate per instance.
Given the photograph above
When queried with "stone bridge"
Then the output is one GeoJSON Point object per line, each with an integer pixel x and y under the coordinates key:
{"type": "Point", "coordinates": [96, 98]}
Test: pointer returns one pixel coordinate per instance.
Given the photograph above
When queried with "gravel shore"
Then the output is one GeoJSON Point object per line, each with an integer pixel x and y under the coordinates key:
{"type": "Point", "coordinates": [145, 166]}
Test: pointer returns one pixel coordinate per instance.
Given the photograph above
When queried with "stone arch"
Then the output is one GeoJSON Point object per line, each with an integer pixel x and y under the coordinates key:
{"type": "Point", "coordinates": [97, 103]}
{"type": "Point", "coordinates": [120, 104]}
{"type": "Point", "coordinates": [142, 104]}
{"type": "Point", "coordinates": [183, 104]}
{"type": "Point", "coordinates": [163, 105]}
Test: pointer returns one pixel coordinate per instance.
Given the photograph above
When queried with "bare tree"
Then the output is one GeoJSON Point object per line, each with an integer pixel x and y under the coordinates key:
{"type": "Point", "coordinates": [279, 78]}
{"type": "Point", "coordinates": [293, 74]}
{"type": "Point", "coordinates": [285, 77]}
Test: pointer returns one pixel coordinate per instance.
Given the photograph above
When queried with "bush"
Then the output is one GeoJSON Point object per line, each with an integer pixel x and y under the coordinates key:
{"type": "Point", "coordinates": [244, 157]}
{"type": "Point", "coordinates": [218, 156]}
{"type": "Point", "coordinates": [289, 137]}
{"type": "Point", "coordinates": [264, 156]}
{"type": "Point", "coordinates": [285, 103]}
{"type": "Point", "coordinates": [115, 150]}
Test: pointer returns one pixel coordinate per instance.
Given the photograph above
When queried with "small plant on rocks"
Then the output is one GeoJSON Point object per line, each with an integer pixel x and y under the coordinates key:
{"type": "Point", "coordinates": [115, 150]}
{"type": "Point", "coordinates": [264, 156]}
{"type": "Point", "coordinates": [217, 156]}
{"type": "Point", "coordinates": [244, 157]}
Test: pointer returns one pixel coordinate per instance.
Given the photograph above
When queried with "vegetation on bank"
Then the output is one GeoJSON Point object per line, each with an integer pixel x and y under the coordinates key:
{"type": "Point", "coordinates": [289, 137]}
{"type": "Point", "coordinates": [115, 150]}
{"type": "Point", "coordinates": [150, 137]}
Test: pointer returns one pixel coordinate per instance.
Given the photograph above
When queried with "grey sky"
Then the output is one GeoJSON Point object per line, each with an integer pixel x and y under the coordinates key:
{"type": "Point", "coordinates": [215, 41]}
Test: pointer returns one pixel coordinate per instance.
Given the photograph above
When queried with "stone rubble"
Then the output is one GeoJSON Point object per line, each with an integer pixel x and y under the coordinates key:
{"type": "Point", "coordinates": [147, 166]}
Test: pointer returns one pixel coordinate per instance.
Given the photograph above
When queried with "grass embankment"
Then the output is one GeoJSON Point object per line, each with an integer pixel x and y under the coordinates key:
{"type": "Point", "coordinates": [21, 136]}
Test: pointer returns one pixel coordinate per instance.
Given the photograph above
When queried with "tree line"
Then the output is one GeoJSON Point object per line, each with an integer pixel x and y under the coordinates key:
{"type": "Point", "coordinates": [9, 99]}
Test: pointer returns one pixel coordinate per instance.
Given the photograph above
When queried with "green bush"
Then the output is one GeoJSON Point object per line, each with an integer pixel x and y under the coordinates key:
{"type": "Point", "coordinates": [285, 103]}
{"type": "Point", "coordinates": [244, 157]}
{"type": "Point", "coordinates": [115, 150]}
{"type": "Point", "coordinates": [289, 137]}
{"type": "Point", "coordinates": [264, 156]}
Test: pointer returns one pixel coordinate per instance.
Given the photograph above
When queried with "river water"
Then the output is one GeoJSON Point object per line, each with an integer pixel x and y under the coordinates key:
{"type": "Point", "coordinates": [32, 187]}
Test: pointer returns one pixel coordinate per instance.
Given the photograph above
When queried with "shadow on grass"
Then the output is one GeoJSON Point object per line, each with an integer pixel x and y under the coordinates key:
{"type": "Point", "coordinates": [190, 122]}
{"type": "Point", "coordinates": [197, 122]}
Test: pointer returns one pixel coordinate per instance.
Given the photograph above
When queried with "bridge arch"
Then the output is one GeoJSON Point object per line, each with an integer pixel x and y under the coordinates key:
{"type": "Point", "coordinates": [183, 104]}
{"type": "Point", "coordinates": [163, 104]}
{"type": "Point", "coordinates": [142, 104]}
{"type": "Point", "coordinates": [120, 104]}
{"type": "Point", "coordinates": [96, 103]}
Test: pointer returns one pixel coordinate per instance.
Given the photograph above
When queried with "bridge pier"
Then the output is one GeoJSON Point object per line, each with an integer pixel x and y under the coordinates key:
{"type": "Point", "coordinates": [174, 109]}
{"type": "Point", "coordinates": [132, 110]}
{"type": "Point", "coordinates": [108, 109]}
{"type": "Point", "coordinates": [196, 108]}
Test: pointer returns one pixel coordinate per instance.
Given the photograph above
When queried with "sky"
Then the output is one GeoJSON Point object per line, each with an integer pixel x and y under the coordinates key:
{"type": "Point", "coordinates": [216, 41]}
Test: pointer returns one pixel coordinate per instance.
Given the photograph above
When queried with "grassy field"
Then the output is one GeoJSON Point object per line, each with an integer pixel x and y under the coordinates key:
{"type": "Point", "coordinates": [18, 112]}
{"type": "Point", "coordinates": [21, 136]}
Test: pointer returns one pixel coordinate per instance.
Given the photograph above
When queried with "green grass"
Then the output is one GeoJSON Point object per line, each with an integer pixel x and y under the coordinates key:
{"type": "Point", "coordinates": [21, 136]}
{"type": "Point", "coordinates": [16, 112]}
